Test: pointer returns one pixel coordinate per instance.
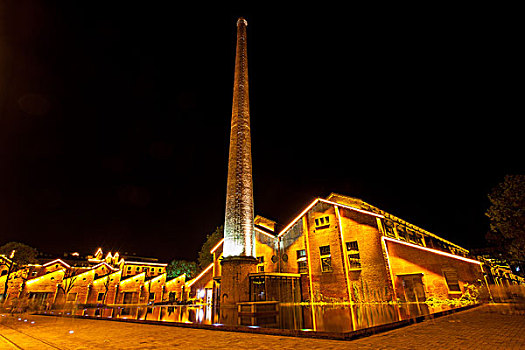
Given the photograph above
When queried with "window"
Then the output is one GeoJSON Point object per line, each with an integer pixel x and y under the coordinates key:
{"type": "Point", "coordinates": [322, 222]}
{"type": "Point", "coordinates": [389, 229]}
{"type": "Point", "coordinates": [451, 277]}
{"type": "Point", "coordinates": [402, 233]}
{"type": "Point", "coordinates": [100, 297]}
{"type": "Point", "coordinates": [354, 260]}
{"type": "Point", "coordinates": [160, 269]}
{"type": "Point", "coordinates": [326, 259]}
{"type": "Point", "coordinates": [260, 259]}
{"type": "Point", "coordinates": [152, 269]}
{"type": "Point", "coordinates": [151, 296]}
{"type": "Point", "coordinates": [71, 297]}
{"type": "Point", "coordinates": [302, 264]}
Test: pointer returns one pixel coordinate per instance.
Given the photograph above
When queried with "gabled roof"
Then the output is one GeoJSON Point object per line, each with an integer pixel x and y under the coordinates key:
{"type": "Point", "coordinates": [56, 261]}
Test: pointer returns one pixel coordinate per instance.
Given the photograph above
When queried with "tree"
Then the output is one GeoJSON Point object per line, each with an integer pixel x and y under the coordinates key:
{"type": "Point", "coordinates": [23, 255]}
{"type": "Point", "coordinates": [19, 254]}
{"type": "Point", "coordinates": [507, 219]}
{"type": "Point", "coordinates": [177, 268]}
{"type": "Point", "coordinates": [205, 258]}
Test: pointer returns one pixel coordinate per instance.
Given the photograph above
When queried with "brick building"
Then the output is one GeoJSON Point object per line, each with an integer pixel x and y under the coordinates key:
{"type": "Point", "coordinates": [109, 280]}
{"type": "Point", "coordinates": [342, 249]}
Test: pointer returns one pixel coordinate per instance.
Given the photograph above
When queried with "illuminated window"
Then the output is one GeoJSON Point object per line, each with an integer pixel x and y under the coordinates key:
{"type": "Point", "coordinates": [302, 264]}
{"type": "Point", "coordinates": [322, 222]}
{"type": "Point", "coordinates": [354, 260]}
{"type": "Point", "coordinates": [451, 277]}
{"type": "Point", "coordinates": [326, 258]}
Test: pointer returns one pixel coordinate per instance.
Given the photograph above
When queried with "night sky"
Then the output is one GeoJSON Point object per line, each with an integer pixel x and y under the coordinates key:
{"type": "Point", "coordinates": [114, 119]}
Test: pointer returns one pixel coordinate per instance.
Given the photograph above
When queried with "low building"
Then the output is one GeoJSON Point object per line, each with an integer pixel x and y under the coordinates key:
{"type": "Point", "coordinates": [109, 280]}
{"type": "Point", "coordinates": [342, 249]}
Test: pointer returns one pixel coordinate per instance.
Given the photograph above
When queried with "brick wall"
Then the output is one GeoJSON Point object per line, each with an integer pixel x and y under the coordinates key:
{"type": "Point", "coordinates": [410, 260]}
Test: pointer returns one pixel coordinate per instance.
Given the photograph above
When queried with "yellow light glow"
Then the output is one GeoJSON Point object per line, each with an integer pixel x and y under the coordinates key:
{"type": "Point", "coordinates": [266, 233]}
{"type": "Point", "coordinates": [56, 261]}
{"type": "Point", "coordinates": [352, 208]}
{"type": "Point", "coordinates": [216, 246]}
{"type": "Point", "coordinates": [104, 263]}
{"type": "Point", "coordinates": [190, 283]}
{"type": "Point", "coordinates": [345, 259]}
{"type": "Point", "coordinates": [40, 278]}
{"type": "Point", "coordinates": [305, 229]}
{"type": "Point", "coordinates": [298, 217]}
{"type": "Point", "coordinates": [432, 250]}
{"type": "Point", "coordinates": [141, 275]}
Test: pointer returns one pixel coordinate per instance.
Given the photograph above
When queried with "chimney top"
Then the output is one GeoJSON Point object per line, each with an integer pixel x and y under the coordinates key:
{"type": "Point", "coordinates": [243, 21]}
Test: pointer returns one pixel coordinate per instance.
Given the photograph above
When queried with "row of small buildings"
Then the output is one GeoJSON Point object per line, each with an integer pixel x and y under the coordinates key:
{"type": "Point", "coordinates": [109, 280]}
{"type": "Point", "coordinates": [338, 249]}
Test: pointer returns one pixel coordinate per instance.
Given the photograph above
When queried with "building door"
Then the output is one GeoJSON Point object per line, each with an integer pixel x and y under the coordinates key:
{"type": "Point", "coordinates": [413, 288]}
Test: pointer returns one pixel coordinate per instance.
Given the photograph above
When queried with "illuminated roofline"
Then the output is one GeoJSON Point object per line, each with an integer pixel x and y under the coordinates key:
{"type": "Point", "coordinates": [432, 250]}
{"type": "Point", "coordinates": [216, 246]}
{"type": "Point", "coordinates": [266, 233]}
{"type": "Point", "coordinates": [283, 231]}
{"type": "Point", "coordinates": [174, 278]}
{"type": "Point", "coordinates": [212, 250]}
{"type": "Point", "coordinates": [46, 275]}
{"type": "Point", "coordinates": [402, 222]}
{"type": "Point", "coordinates": [105, 263]}
{"type": "Point", "coordinates": [190, 283]}
{"type": "Point", "coordinates": [351, 208]}
{"type": "Point", "coordinates": [131, 278]}
{"type": "Point", "coordinates": [156, 278]}
{"type": "Point", "coordinates": [105, 276]}
{"type": "Point", "coordinates": [80, 274]}
{"type": "Point", "coordinates": [54, 261]}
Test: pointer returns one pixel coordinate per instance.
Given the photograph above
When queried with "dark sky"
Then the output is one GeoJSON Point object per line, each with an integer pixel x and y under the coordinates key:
{"type": "Point", "coordinates": [114, 119]}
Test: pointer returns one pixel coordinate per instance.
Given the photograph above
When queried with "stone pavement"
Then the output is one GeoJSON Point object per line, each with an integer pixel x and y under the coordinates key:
{"type": "Point", "coordinates": [486, 327]}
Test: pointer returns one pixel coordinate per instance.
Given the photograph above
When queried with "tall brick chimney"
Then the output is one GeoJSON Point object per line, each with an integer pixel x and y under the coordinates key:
{"type": "Point", "coordinates": [239, 234]}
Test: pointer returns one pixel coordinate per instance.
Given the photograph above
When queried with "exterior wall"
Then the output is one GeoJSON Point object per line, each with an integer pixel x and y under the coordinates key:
{"type": "Point", "coordinates": [133, 285]}
{"type": "Point", "coordinates": [132, 269]}
{"type": "Point", "coordinates": [78, 284]}
{"type": "Point", "coordinates": [156, 285]}
{"type": "Point", "coordinates": [99, 286]}
{"type": "Point", "coordinates": [290, 243]}
{"type": "Point", "coordinates": [328, 285]}
{"type": "Point", "coordinates": [265, 247]}
{"type": "Point", "coordinates": [175, 285]}
{"type": "Point", "coordinates": [405, 259]}
{"type": "Point", "coordinates": [371, 282]}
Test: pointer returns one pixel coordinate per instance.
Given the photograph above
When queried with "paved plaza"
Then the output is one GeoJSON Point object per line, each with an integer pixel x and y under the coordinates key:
{"type": "Point", "coordinates": [486, 327]}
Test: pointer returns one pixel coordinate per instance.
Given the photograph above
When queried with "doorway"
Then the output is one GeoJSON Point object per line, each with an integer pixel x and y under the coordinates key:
{"type": "Point", "coordinates": [413, 288]}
